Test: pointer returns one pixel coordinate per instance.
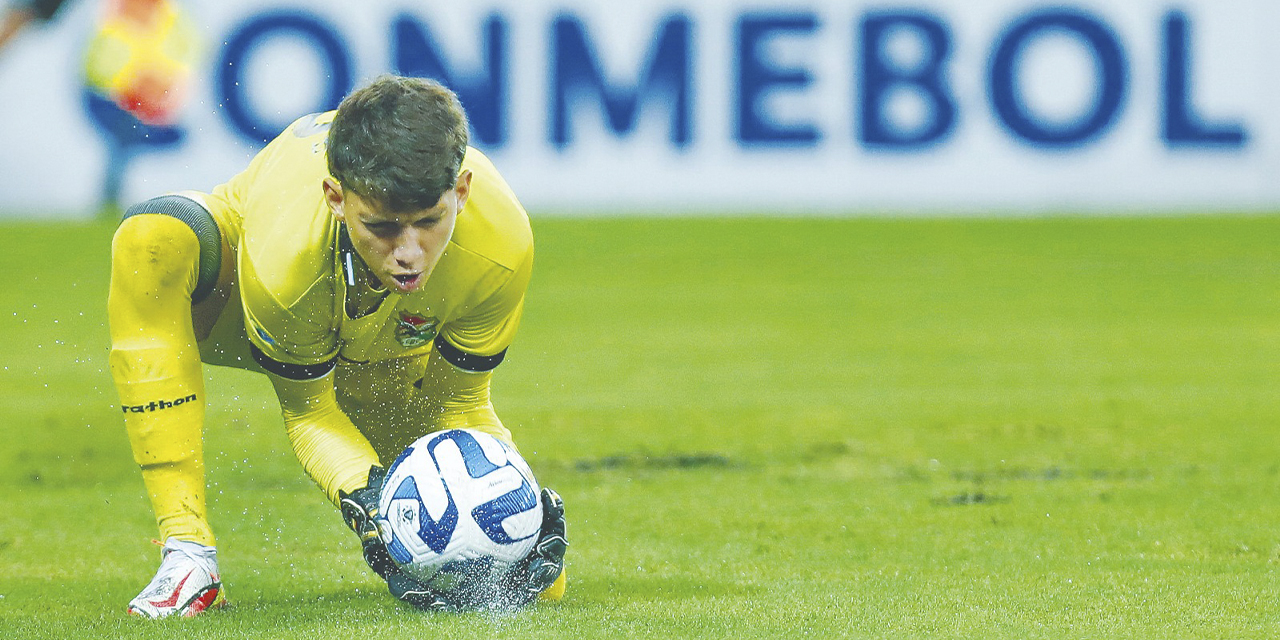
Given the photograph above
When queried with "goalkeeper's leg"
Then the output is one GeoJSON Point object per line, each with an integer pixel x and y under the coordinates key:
{"type": "Point", "coordinates": [156, 265]}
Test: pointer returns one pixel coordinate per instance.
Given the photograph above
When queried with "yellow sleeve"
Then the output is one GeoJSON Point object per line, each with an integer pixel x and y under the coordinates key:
{"type": "Point", "coordinates": [455, 384]}
{"type": "Point", "coordinates": [332, 451]}
{"type": "Point", "coordinates": [458, 399]}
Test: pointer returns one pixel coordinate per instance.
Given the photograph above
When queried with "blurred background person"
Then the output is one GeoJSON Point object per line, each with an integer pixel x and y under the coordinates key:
{"type": "Point", "coordinates": [137, 71]}
{"type": "Point", "coordinates": [18, 15]}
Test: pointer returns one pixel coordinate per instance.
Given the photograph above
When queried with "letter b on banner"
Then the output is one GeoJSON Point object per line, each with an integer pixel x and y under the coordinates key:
{"type": "Point", "coordinates": [926, 76]}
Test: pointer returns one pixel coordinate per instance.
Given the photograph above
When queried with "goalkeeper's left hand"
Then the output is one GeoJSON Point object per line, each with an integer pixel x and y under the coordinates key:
{"type": "Point", "coordinates": [546, 562]}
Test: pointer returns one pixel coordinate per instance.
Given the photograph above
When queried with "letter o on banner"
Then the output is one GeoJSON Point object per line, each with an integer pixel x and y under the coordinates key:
{"type": "Point", "coordinates": [1112, 81]}
{"type": "Point", "coordinates": [242, 44]}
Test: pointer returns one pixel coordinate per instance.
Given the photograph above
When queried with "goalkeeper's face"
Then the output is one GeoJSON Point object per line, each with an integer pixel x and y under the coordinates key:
{"type": "Point", "coordinates": [400, 248]}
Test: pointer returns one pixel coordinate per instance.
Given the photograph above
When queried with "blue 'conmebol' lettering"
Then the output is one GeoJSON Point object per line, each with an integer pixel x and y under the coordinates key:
{"type": "Point", "coordinates": [245, 41]}
{"type": "Point", "coordinates": [927, 78]}
{"type": "Point", "coordinates": [576, 73]}
{"type": "Point", "coordinates": [483, 94]}
{"type": "Point", "coordinates": [757, 76]}
{"type": "Point", "coordinates": [1182, 126]}
{"type": "Point", "coordinates": [1112, 82]}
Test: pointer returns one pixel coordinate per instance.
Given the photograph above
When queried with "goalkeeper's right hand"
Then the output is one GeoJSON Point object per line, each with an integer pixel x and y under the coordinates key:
{"type": "Point", "coordinates": [360, 510]}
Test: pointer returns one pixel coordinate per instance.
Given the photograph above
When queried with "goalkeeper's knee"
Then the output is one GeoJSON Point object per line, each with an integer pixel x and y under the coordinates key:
{"type": "Point", "coordinates": [555, 592]}
{"type": "Point", "coordinates": [154, 244]}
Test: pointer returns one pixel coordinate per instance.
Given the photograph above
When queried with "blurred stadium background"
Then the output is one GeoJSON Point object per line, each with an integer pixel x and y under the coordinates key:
{"type": "Point", "coordinates": [946, 106]}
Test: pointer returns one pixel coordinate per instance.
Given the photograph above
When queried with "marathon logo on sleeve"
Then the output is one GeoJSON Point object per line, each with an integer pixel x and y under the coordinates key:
{"type": "Point", "coordinates": [156, 405]}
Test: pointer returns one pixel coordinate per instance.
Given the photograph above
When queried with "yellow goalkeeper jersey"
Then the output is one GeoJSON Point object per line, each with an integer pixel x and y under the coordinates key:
{"type": "Point", "coordinates": [293, 275]}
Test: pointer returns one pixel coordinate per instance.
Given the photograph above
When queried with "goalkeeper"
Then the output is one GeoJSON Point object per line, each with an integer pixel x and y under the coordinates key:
{"type": "Point", "coordinates": [373, 267]}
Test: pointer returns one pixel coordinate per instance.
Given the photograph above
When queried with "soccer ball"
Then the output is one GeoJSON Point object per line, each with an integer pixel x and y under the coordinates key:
{"type": "Point", "coordinates": [460, 508]}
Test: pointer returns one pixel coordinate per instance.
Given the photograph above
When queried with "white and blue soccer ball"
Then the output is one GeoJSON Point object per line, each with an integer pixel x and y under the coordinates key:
{"type": "Point", "coordinates": [460, 508]}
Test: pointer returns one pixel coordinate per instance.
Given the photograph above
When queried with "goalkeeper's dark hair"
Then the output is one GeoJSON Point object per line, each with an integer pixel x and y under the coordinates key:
{"type": "Point", "coordinates": [398, 142]}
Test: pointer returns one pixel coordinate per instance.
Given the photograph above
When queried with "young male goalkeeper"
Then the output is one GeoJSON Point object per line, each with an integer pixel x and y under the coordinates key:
{"type": "Point", "coordinates": [369, 263]}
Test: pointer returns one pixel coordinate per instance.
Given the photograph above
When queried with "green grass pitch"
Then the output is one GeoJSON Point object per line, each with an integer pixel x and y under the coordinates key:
{"type": "Point", "coordinates": [864, 428]}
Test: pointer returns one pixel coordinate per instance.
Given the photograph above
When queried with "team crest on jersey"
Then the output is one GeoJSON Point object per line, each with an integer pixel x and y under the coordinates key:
{"type": "Point", "coordinates": [413, 330]}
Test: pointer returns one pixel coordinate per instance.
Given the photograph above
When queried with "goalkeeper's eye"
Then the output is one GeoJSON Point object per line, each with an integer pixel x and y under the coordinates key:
{"type": "Point", "coordinates": [384, 229]}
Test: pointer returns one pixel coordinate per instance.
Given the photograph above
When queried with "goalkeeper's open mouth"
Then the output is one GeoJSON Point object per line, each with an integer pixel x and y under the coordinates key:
{"type": "Point", "coordinates": [406, 282]}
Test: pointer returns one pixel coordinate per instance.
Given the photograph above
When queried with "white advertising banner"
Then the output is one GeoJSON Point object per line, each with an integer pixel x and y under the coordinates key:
{"type": "Point", "coordinates": [934, 106]}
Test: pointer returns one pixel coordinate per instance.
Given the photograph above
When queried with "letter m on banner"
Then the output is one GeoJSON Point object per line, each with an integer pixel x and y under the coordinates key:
{"type": "Point", "coordinates": [576, 73]}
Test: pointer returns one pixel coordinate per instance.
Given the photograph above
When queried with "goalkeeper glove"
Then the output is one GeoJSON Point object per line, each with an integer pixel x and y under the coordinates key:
{"type": "Point", "coordinates": [544, 564]}
{"type": "Point", "coordinates": [360, 510]}
{"type": "Point", "coordinates": [404, 587]}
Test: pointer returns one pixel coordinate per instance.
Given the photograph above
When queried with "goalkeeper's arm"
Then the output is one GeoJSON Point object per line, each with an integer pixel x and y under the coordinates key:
{"type": "Point", "coordinates": [332, 451]}
{"type": "Point", "coordinates": [338, 457]}
{"type": "Point", "coordinates": [458, 399]}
